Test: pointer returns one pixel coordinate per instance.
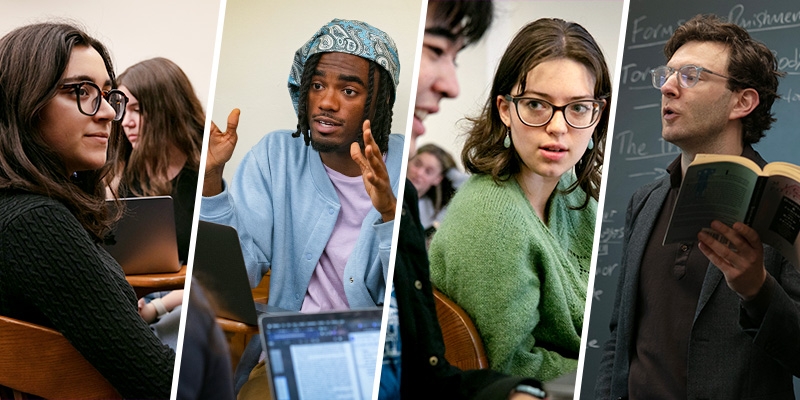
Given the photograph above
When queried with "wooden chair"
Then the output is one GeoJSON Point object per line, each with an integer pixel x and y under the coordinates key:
{"type": "Point", "coordinates": [463, 344]}
{"type": "Point", "coordinates": [41, 361]}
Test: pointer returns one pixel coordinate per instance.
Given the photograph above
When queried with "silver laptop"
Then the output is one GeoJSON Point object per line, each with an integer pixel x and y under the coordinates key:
{"type": "Point", "coordinates": [144, 241]}
{"type": "Point", "coordinates": [322, 356]}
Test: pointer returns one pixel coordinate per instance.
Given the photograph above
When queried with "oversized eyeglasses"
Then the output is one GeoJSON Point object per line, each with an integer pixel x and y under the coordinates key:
{"type": "Point", "coordinates": [688, 75]}
{"type": "Point", "coordinates": [537, 112]}
{"type": "Point", "coordinates": [88, 96]}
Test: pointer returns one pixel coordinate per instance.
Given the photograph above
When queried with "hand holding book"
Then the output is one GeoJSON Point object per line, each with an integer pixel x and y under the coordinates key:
{"type": "Point", "coordinates": [741, 260]}
{"type": "Point", "coordinates": [733, 189]}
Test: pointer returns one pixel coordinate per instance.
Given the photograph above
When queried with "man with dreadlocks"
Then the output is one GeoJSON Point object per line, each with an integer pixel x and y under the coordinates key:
{"type": "Point", "coordinates": [318, 212]}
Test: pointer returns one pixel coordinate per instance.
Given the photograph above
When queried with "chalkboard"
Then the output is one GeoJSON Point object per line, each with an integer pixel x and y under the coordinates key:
{"type": "Point", "coordinates": [638, 154]}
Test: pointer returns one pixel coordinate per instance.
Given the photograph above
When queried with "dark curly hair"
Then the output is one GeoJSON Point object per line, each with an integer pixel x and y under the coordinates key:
{"type": "Point", "coordinates": [751, 65]}
{"type": "Point", "coordinates": [381, 112]}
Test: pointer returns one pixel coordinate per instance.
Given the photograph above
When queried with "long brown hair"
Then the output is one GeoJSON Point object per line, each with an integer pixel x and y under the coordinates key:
{"type": "Point", "coordinates": [170, 114]}
{"type": "Point", "coordinates": [540, 41]}
{"type": "Point", "coordinates": [33, 59]}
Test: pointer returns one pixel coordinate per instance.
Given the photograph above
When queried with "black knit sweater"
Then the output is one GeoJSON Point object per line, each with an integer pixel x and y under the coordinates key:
{"type": "Point", "coordinates": [53, 274]}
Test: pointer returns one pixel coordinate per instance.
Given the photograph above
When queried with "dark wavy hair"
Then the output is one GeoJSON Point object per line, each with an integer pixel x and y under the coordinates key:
{"type": "Point", "coordinates": [751, 65]}
{"type": "Point", "coordinates": [33, 59]}
{"type": "Point", "coordinates": [379, 114]}
{"type": "Point", "coordinates": [468, 19]}
{"type": "Point", "coordinates": [170, 113]}
{"type": "Point", "coordinates": [542, 40]}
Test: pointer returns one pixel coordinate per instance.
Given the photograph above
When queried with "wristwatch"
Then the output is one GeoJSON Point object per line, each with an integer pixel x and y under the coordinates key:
{"type": "Point", "coordinates": [528, 389]}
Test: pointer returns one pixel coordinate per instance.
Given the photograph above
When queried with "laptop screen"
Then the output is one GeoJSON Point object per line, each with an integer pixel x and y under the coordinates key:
{"type": "Point", "coordinates": [325, 355]}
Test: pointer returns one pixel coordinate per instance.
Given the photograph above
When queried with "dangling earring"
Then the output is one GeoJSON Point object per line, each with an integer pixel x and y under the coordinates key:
{"type": "Point", "coordinates": [591, 144]}
{"type": "Point", "coordinates": [507, 140]}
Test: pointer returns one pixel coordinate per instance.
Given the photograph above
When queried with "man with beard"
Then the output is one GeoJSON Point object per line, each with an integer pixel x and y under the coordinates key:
{"type": "Point", "coordinates": [703, 319]}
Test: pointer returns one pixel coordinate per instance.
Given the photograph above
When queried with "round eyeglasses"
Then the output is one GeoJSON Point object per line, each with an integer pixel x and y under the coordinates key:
{"type": "Point", "coordinates": [688, 75]}
{"type": "Point", "coordinates": [88, 95]}
{"type": "Point", "coordinates": [537, 112]}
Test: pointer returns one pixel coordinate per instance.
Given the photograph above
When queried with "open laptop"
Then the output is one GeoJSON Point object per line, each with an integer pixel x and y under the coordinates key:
{"type": "Point", "coordinates": [144, 241]}
{"type": "Point", "coordinates": [322, 356]}
{"type": "Point", "coordinates": [220, 269]}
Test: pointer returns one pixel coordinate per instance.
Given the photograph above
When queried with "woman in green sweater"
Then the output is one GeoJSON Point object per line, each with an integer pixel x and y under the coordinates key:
{"type": "Point", "coordinates": [515, 248]}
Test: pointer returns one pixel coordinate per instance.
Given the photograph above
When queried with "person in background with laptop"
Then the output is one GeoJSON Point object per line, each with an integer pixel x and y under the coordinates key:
{"type": "Point", "coordinates": [59, 114]}
{"type": "Point", "coordinates": [160, 155]}
{"type": "Point", "coordinates": [160, 151]}
{"type": "Point", "coordinates": [414, 365]}
{"type": "Point", "coordinates": [318, 211]}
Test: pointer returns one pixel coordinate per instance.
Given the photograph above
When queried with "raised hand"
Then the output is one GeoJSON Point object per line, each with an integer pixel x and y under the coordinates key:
{"type": "Point", "coordinates": [220, 149]}
{"type": "Point", "coordinates": [374, 174]}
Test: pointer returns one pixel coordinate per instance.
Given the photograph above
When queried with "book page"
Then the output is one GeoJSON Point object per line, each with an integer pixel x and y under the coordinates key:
{"type": "Point", "coordinates": [783, 168]}
{"type": "Point", "coordinates": [717, 158]}
{"type": "Point", "coordinates": [326, 370]}
{"type": "Point", "coordinates": [710, 191]}
{"type": "Point", "coordinates": [778, 217]}
{"type": "Point", "coordinates": [365, 351]}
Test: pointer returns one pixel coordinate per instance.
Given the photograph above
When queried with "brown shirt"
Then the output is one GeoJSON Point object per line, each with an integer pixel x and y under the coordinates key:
{"type": "Point", "coordinates": [670, 280]}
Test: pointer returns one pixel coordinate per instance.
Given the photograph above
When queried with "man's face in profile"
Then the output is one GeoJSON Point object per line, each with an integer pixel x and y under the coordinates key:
{"type": "Point", "coordinates": [437, 72]}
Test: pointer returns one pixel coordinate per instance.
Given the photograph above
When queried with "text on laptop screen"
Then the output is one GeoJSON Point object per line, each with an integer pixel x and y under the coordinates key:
{"type": "Point", "coordinates": [330, 357]}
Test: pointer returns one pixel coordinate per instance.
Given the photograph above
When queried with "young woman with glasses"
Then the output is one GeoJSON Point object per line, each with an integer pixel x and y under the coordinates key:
{"type": "Point", "coordinates": [515, 248]}
{"type": "Point", "coordinates": [59, 115]}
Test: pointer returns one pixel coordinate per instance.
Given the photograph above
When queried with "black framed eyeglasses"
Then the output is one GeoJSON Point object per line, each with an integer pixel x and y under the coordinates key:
{"type": "Point", "coordinates": [537, 112]}
{"type": "Point", "coordinates": [88, 95]}
{"type": "Point", "coordinates": [688, 75]}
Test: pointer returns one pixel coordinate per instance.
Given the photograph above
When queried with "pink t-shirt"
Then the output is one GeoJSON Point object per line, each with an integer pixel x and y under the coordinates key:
{"type": "Point", "coordinates": [326, 288]}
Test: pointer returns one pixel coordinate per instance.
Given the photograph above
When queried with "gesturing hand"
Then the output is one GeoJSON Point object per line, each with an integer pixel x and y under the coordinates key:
{"type": "Point", "coordinates": [220, 150]}
{"type": "Point", "coordinates": [374, 174]}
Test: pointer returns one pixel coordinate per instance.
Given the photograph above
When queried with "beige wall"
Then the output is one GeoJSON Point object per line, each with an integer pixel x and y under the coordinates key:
{"type": "Point", "coordinates": [181, 30]}
{"type": "Point", "coordinates": [258, 44]}
{"type": "Point", "coordinates": [476, 64]}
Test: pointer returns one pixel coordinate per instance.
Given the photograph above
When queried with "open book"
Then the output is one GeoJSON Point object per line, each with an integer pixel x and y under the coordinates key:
{"type": "Point", "coordinates": [733, 188]}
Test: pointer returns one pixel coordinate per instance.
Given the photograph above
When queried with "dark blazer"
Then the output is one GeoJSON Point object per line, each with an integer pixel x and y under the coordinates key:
{"type": "Point", "coordinates": [728, 358]}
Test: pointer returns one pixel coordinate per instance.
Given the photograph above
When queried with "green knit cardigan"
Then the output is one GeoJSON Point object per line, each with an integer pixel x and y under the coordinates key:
{"type": "Point", "coordinates": [523, 283]}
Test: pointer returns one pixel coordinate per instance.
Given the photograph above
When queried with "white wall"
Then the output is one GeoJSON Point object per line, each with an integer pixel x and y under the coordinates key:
{"type": "Point", "coordinates": [476, 64]}
{"type": "Point", "coordinates": [258, 44]}
{"type": "Point", "coordinates": [182, 30]}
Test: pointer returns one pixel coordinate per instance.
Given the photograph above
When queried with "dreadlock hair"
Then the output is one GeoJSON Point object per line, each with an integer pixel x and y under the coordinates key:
{"type": "Point", "coordinates": [381, 112]}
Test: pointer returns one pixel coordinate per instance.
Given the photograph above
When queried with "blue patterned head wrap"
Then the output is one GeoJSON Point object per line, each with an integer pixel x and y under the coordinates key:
{"type": "Point", "coordinates": [351, 37]}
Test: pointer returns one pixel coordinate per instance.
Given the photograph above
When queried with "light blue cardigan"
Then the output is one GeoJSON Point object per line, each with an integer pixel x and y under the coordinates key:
{"type": "Point", "coordinates": [284, 207]}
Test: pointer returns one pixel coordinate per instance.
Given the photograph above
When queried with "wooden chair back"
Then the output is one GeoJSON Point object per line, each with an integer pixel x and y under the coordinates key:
{"type": "Point", "coordinates": [41, 361]}
{"type": "Point", "coordinates": [463, 344]}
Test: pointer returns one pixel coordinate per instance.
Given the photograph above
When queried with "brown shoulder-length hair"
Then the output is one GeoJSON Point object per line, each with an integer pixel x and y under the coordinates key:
{"type": "Point", "coordinates": [33, 59]}
{"type": "Point", "coordinates": [170, 113]}
{"type": "Point", "coordinates": [542, 40]}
